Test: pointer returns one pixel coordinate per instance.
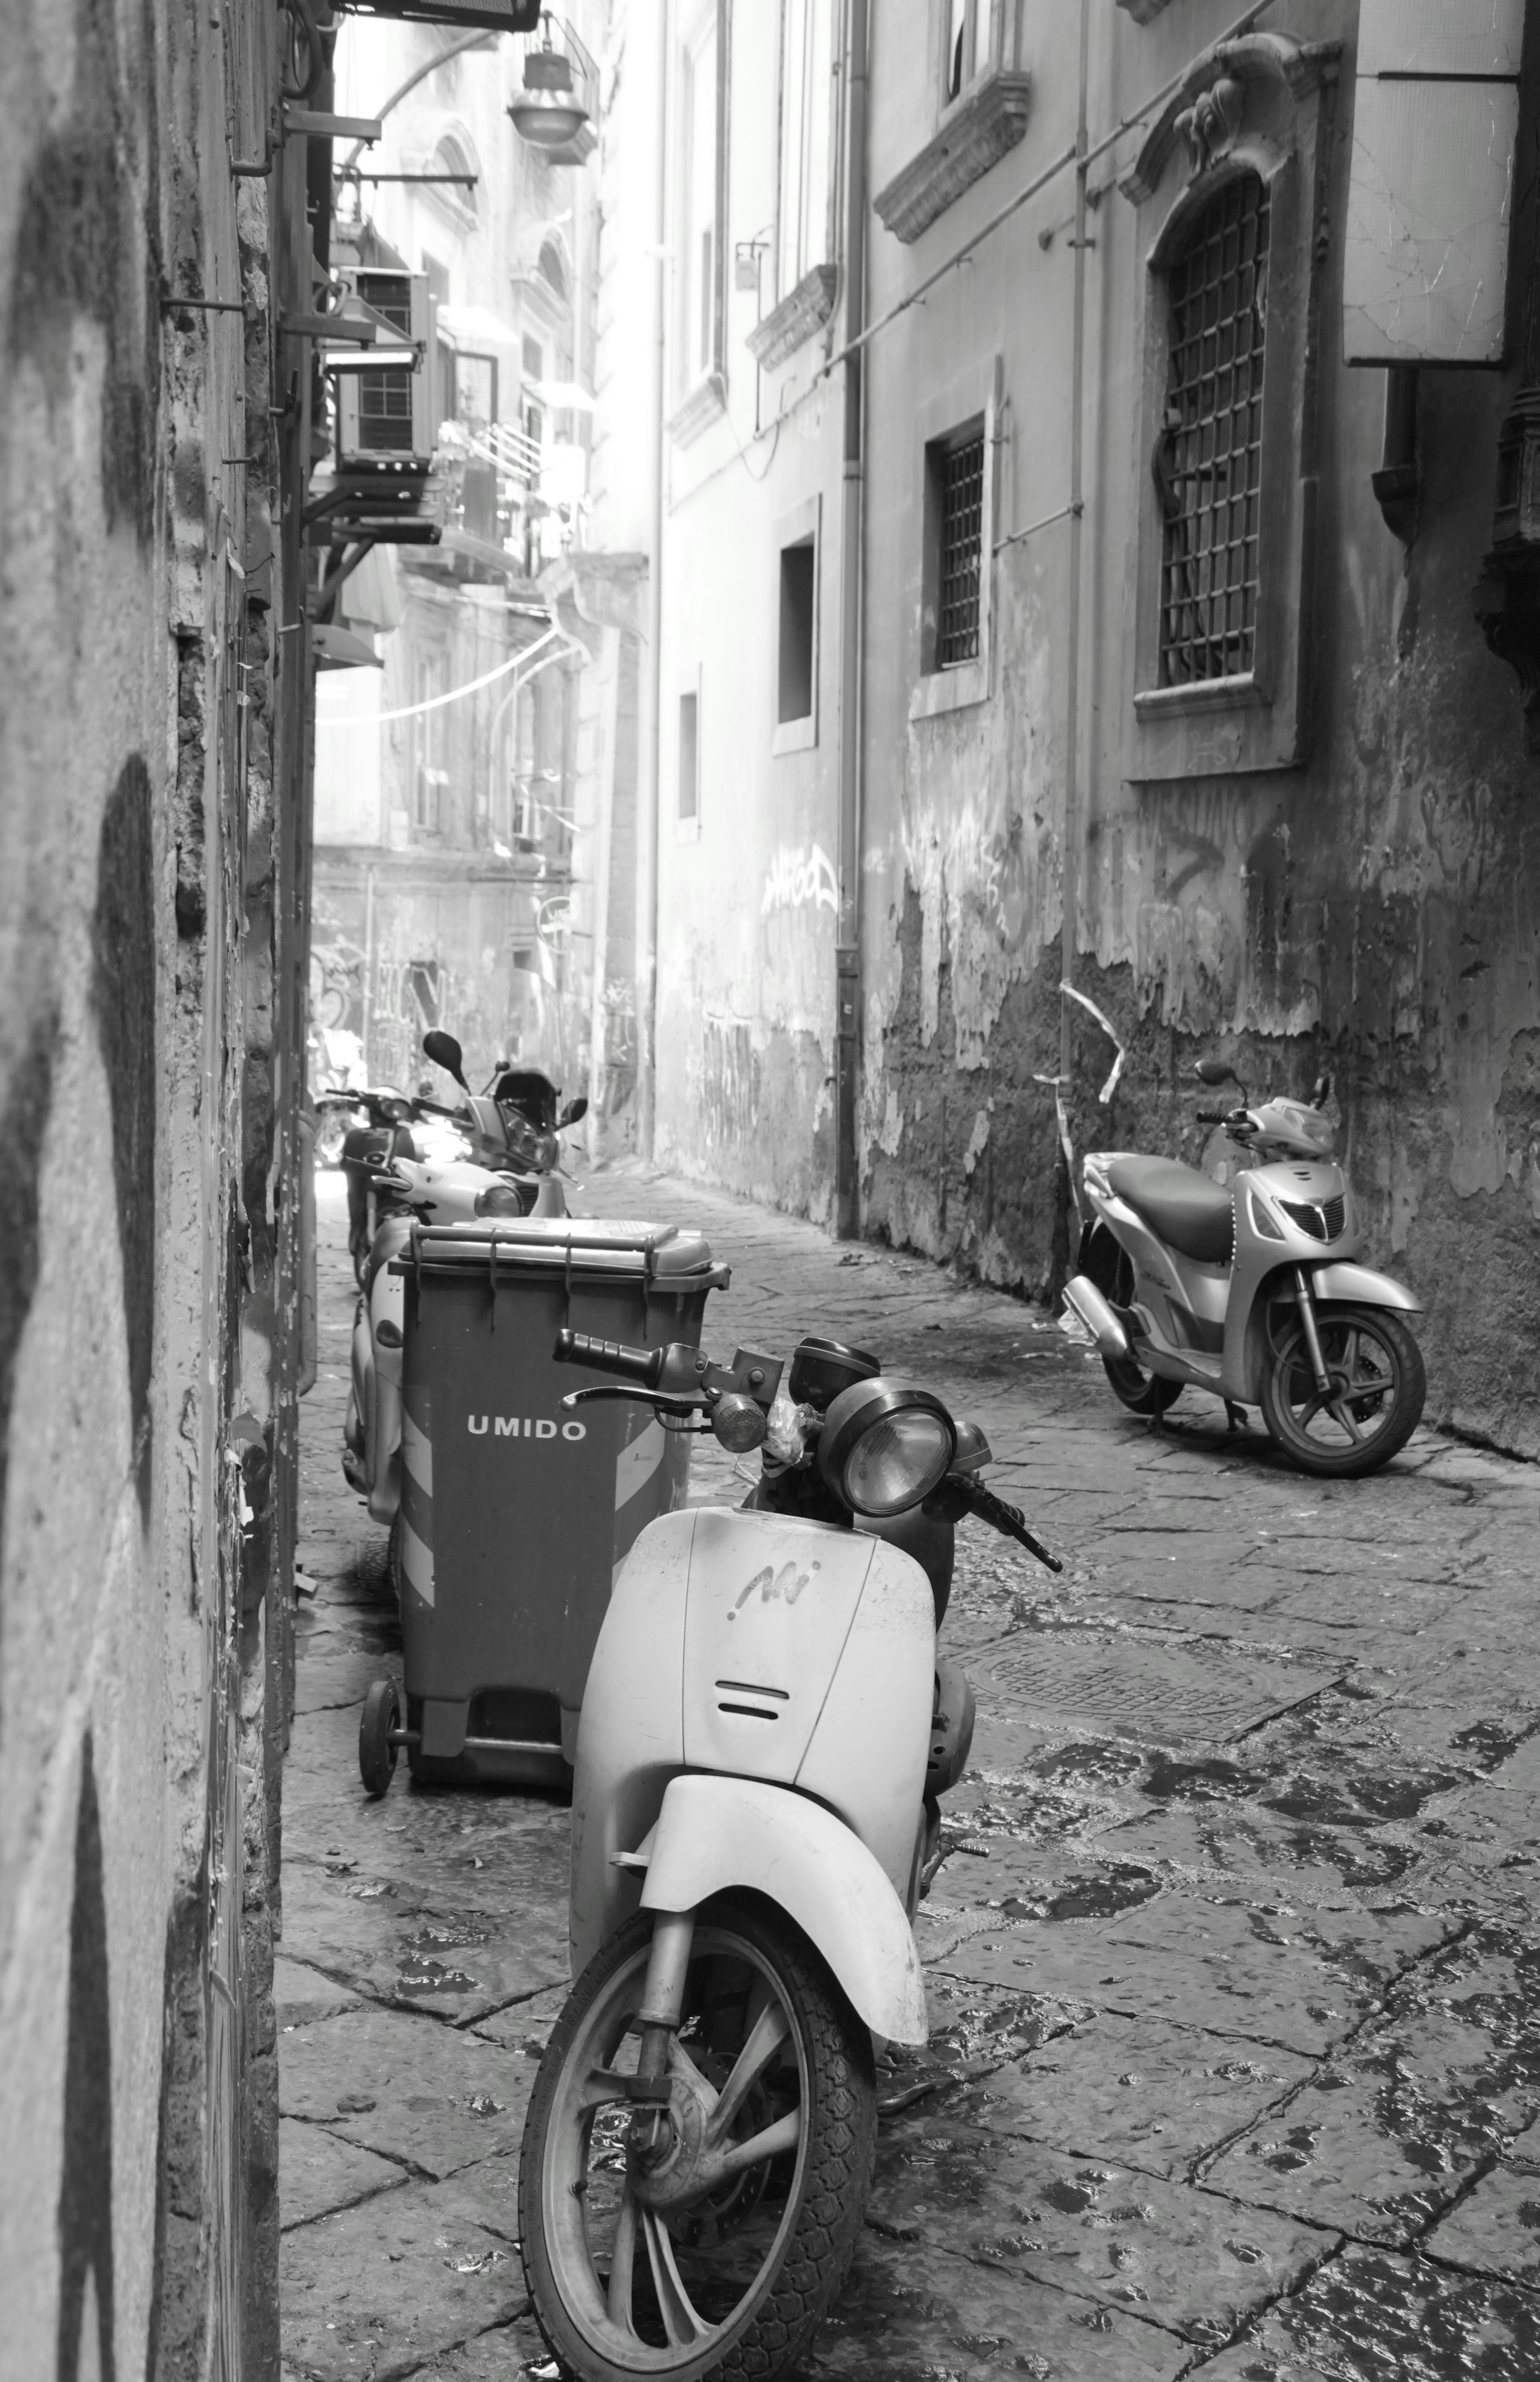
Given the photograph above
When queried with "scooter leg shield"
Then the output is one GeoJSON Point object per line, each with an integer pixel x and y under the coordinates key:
{"type": "Point", "coordinates": [951, 1728]}
{"type": "Point", "coordinates": [715, 1833]}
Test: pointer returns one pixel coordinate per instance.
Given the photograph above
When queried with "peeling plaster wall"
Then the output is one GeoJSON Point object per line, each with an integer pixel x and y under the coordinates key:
{"type": "Point", "coordinates": [147, 891]}
{"type": "Point", "coordinates": [1376, 913]}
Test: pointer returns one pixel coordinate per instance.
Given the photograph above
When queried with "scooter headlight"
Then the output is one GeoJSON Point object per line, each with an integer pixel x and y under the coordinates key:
{"type": "Point", "coordinates": [499, 1199]}
{"type": "Point", "coordinates": [885, 1446]}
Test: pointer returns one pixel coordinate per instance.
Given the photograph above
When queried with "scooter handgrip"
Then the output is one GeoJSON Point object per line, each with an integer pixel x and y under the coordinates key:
{"type": "Point", "coordinates": [1210, 1116]}
{"type": "Point", "coordinates": [644, 1365]}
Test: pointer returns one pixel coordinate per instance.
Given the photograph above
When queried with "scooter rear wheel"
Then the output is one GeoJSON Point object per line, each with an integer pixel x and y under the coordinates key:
{"type": "Point", "coordinates": [630, 2275]}
{"type": "Point", "coordinates": [1141, 1392]}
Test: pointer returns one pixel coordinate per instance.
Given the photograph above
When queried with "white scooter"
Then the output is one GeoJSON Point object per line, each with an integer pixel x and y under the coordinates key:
{"type": "Point", "coordinates": [1242, 1280]}
{"type": "Point", "coordinates": [764, 1734]}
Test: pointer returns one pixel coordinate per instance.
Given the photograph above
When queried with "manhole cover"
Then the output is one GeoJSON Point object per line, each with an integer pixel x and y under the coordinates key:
{"type": "Point", "coordinates": [1155, 1695]}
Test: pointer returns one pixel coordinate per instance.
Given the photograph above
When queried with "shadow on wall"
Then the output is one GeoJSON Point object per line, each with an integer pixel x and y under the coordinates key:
{"type": "Point", "coordinates": [85, 2335]}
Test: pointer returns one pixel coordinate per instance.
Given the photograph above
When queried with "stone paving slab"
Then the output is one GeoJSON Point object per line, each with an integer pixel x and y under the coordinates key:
{"type": "Point", "coordinates": [460, 1952]}
{"type": "Point", "coordinates": [1192, 2260]}
{"type": "Point", "coordinates": [1301, 1982]}
{"type": "Point", "coordinates": [1156, 2096]}
{"type": "Point", "coordinates": [1495, 2227]}
{"type": "Point", "coordinates": [1371, 2313]}
{"type": "Point", "coordinates": [1185, 1910]}
{"type": "Point", "coordinates": [301, 1993]}
{"type": "Point", "coordinates": [377, 2288]}
{"type": "Point", "coordinates": [903, 2318]}
{"type": "Point", "coordinates": [433, 2097]}
{"type": "Point", "coordinates": [322, 2172]}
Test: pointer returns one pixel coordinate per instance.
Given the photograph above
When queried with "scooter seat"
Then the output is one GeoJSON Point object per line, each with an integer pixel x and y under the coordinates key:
{"type": "Point", "coordinates": [1182, 1207]}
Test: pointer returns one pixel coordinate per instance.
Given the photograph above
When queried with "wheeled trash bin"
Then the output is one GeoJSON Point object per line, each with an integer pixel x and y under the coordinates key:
{"type": "Point", "coordinates": [515, 1516]}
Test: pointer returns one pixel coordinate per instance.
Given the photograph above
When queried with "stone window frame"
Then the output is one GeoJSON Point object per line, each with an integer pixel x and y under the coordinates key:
{"type": "Point", "coordinates": [802, 525]}
{"type": "Point", "coordinates": [688, 682]}
{"type": "Point", "coordinates": [1260, 104]}
{"type": "Point", "coordinates": [973, 131]}
{"type": "Point", "coordinates": [703, 394]}
{"type": "Point", "coordinates": [975, 395]}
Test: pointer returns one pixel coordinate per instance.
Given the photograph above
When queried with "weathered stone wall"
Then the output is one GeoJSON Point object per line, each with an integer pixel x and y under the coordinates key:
{"type": "Point", "coordinates": [149, 901]}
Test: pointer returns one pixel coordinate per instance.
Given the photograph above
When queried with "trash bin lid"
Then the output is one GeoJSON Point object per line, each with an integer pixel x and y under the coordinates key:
{"type": "Point", "coordinates": [567, 1244]}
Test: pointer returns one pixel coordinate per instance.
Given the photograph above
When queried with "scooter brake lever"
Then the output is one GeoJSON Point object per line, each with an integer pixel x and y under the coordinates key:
{"type": "Point", "coordinates": [664, 1401]}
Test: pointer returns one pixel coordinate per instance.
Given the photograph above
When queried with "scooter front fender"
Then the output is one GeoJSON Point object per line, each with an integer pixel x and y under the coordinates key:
{"type": "Point", "coordinates": [1359, 1285]}
{"type": "Point", "coordinates": [715, 1833]}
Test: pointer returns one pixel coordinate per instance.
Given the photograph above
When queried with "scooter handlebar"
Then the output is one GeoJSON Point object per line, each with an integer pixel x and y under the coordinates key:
{"type": "Point", "coordinates": [1211, 1116]}
{"type": "Point", "coordinates": [643, 1365]}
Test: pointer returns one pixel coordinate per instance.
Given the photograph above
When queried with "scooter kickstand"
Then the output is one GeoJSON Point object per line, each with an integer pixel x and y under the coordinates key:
{"type": "Point", "coordinates": [1235, 1417]}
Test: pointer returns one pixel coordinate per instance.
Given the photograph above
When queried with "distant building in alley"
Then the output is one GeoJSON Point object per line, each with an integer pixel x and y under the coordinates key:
{"type": "Point", "coordinates": [1276, 752]}
{"type": "Point", "coordinates": [453, 869]}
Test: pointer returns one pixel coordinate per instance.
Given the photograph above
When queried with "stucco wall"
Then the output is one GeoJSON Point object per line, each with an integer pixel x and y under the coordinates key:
{"type": "Point", "coordinates": [747, 896]}
{"type": "Point", "coordinates": [145, 1254]}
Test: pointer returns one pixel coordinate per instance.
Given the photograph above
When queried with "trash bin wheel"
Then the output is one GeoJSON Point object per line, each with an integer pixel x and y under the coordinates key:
{"type": "Point", "coordinates": [376, 1755]}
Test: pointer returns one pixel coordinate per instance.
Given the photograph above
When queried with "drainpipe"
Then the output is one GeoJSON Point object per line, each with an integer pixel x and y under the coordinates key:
{"type": "Point", "coordinates": [1070, 858]}
{"type": "Point", "coordinates": [649, 792]}
{"type": "Point", "coordinates": [847, 956]}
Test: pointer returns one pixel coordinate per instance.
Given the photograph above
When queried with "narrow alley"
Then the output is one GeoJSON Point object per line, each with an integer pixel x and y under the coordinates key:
{"type": "Point", "coordinates": [1232, 1963]}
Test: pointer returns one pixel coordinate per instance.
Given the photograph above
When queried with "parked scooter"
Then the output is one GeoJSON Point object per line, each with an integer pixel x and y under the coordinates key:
{"type": "Point", "coordinates": [515, 1122]}
{"type": "Point", "coordinates": [765, 1731]}
{"type": "Point", "coordinates": [1241, 1281]}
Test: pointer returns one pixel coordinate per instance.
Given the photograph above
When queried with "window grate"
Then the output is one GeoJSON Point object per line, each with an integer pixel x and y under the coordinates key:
{"type": "Point", "coordinates": [962, 527]}
{"type": "Point", "coordinates": [1208, 464]}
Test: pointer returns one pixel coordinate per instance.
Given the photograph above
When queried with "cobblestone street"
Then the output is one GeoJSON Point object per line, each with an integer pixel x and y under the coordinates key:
{"type": "Point", "coordinates": [1233, 1971]}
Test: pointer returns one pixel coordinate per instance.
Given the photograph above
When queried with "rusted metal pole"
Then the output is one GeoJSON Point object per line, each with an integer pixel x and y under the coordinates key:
{"type": "Point", "coordinates": [1070, 856]}
{"type": "Point", "coordinates": [847, 956]}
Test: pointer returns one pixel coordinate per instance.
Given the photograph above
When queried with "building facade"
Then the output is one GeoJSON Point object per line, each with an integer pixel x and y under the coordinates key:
{"type": "Point", "coordinates": [455, 821]}
{"type": "Point", "coordinates": [1264, 733]}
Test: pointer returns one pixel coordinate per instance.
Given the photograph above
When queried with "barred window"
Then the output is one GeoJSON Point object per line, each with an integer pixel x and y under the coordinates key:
{"type": "Point", "coordinates": [1208, 457]}
{"type": "Point", "coordinates": [959, 474]}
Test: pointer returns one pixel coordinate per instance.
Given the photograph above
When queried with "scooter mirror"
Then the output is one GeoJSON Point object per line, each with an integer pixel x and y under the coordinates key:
{"type": "Point", "coordinates": [574, 1113]}
{"type": "Point", "coordinates": [445, 1052]}
{"type": "Point", "coordinates": [1215, 1070]}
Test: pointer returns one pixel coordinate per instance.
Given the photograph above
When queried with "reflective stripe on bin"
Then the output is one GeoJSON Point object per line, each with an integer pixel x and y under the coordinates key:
{"type": "Point", "coordinates": [417, 1502]}
{"type": "Point", "coordinates": [635, 1464]}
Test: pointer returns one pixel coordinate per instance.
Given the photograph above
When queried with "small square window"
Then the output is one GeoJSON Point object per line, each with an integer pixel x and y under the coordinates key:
{"type": "Point", "coordinates": [689, 758]}
{"type": "Point", "coordinates": [955, 548]}
{"type": "Point", "coordinates": [798, 632]}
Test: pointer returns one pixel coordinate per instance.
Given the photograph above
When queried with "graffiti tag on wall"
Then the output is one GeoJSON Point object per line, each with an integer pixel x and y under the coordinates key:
{"type": "Point", "coordinates": [796, 880]}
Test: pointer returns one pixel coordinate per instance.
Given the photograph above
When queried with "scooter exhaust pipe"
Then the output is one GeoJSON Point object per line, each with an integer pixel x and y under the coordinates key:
{"type": "Point", "coordinates": [1085, 1302]}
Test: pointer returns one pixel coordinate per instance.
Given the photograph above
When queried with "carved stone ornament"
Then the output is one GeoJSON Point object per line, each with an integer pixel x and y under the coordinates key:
{"type": "Point", "coordinates": [802, 311]}
{"type": "Point", "coordinates": [975, 134]}
{"type": "Point", "coordinates": [706, 403]}
{"type": "Point", "coordinates": [1234, 86]}
{"type": "Point", "coordinates": [1210, 125]}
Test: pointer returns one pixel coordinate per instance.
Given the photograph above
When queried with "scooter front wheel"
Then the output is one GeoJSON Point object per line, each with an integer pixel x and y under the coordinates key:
{"type": "Point", "coordinates": [707, 2240]}
{"type": "Point", "coordinates": [1373, 1401]}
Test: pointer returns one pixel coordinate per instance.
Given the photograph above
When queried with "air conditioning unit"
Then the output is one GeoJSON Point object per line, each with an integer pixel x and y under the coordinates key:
{"type": "Point", "coordinates": [391, 410]}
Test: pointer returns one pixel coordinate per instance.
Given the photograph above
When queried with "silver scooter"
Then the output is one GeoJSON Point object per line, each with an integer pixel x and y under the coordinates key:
{"type": "Point", "coordinates": [1242, 1280]}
